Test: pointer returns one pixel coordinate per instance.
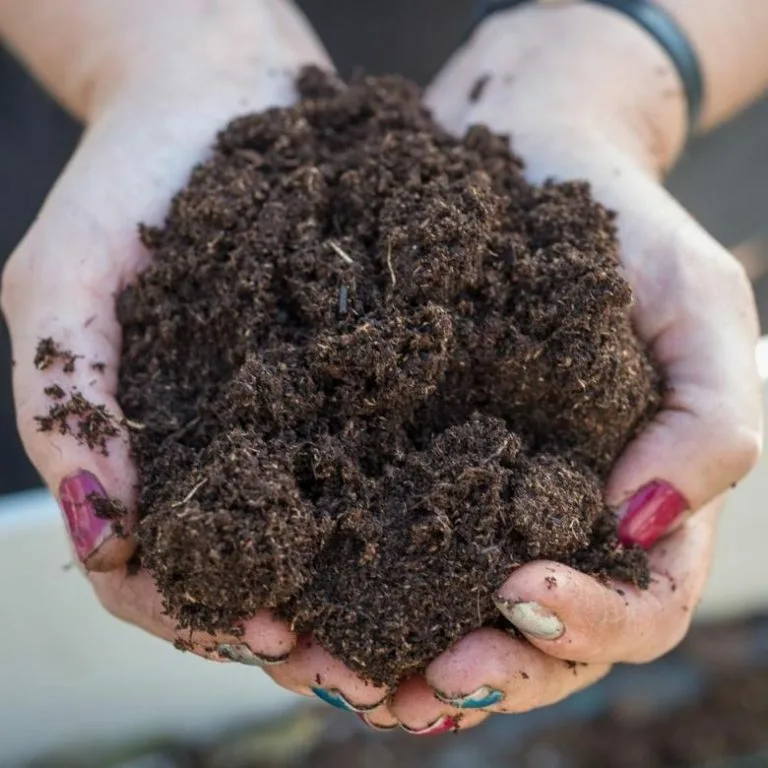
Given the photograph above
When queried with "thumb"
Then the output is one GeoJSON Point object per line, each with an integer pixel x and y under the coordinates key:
{"type": "Point", "coordinates": [64, 378]}
{"type": "Point", "coordinates": [58, 297]}
{"type": "Point", "coordinates": [700, 317]}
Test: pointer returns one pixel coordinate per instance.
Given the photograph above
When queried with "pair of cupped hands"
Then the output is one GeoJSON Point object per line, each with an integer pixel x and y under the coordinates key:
{"type": "Point", "coordinates": [693, 307]}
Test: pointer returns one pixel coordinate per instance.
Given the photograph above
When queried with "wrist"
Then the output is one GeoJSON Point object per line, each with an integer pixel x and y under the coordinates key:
{"type": "Point", "coordinates": [172, 53]}
{"type": "Point", "coordinates": [591, 70]}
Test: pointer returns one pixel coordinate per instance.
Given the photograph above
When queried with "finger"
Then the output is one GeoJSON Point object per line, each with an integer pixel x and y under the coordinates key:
{"type": "Point", "coordinates": [263, 642]}
{"type": "Point", "coordinates": [694, 308]}
{"type": "Point", "coordinates": [491, 671]}
{"type": "Point", "coordinates": [312, 670]}
{"type": "Point", "coordinates": [569, 615]}
{"type": "Point", "coordinates": [68, 419]}
{"type": "Point", "coordinates": [708, 436]}
{"type": "Point", "coordinates": [420, 713]}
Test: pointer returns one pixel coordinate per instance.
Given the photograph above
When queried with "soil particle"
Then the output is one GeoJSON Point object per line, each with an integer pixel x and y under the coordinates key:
{"type": "Point", "coordinates": [55, 392]}
{"type": "Point", "coordinates": [73, 414]}
{"type": "Point", "coordinates": [48, 353]}
{"type": "Point", "coordinates": [107, 508]}
{"type": "Point", "coordinates": [392, 370]}
{"type": "Point", "coordinates": [478, 88]}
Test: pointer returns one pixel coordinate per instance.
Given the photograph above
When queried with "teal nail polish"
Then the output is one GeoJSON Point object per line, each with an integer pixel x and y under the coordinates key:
{"type": "Point", "coordinates": [337, 699]}
{"type": "Point", "coordinates": [482, 698]}
{"type": "Point", "coordinates": [333, 698]}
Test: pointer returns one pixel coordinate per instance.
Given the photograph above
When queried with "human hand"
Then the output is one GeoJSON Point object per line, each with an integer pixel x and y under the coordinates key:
{"type": "Point", "coordinates": [145, 132]}
{"type": "Point", "coordinates": [586, 95]}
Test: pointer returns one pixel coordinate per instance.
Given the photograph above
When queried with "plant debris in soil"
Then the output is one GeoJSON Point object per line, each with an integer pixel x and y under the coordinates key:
{"type": "Point", "coordinates": [376, 371]}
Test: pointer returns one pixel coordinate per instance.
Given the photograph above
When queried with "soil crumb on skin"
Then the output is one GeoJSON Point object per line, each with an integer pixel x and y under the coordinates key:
{"type": "Point", "coordinates": [107, 508]}
{"type": "Point", "coordinates": [478, 88]}
{"type": "Point", "coordinates": [73, 414]}
{"type": "Point", "coordinates": [48, 353]}
{"type": "Point", "coordinates": [376, 371]}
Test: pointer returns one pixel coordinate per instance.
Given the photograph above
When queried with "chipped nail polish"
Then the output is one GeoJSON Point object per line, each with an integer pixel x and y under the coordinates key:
{"type": "Point", "coordinates": [443, 724]}
{"type": "Point", "coordinates": [242, 654]}
{"type": "Point", "coordinates": [531, 619]}
{"type": "Point", "coordinates": [88, 531]}
{"type": "Point", "coordinates": [337, 699]}
{"type": "Point", "coordinates": [650, 514]}
{"type": "Point", "coordinates": [483, 697]}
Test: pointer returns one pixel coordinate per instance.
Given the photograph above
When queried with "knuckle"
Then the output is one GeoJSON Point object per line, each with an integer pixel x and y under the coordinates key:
{"type": "Point", "coordinates": [734, 276]}
{"type": "Point", "coordinates": [710, 267]}
{"type": "Point", "coordinates": [746, 450]}
{"type": "Point", "coordinates": [665, 641]}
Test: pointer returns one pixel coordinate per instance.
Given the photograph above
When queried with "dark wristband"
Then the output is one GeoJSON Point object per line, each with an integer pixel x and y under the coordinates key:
{"type": "Point", "coordinates": [654, 20]}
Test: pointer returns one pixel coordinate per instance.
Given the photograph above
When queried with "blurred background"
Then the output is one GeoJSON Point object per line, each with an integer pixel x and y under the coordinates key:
{"type": "Point", "coordinates": [704, 705]}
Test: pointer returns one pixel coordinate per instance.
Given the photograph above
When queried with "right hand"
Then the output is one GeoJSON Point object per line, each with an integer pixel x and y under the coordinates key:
{"type": "Point", "coordinates": [138, 150]}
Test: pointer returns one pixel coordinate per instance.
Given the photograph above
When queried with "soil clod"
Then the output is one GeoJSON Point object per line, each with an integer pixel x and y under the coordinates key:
{"type": "Point", "coordinates": [48, 353]}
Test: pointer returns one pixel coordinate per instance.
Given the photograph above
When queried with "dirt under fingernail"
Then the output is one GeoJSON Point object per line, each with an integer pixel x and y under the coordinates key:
{"type": "Point", "coordinates": [376, 370]}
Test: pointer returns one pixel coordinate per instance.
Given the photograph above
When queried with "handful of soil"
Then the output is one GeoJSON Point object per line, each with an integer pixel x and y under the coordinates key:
{"type": "Point", "coordinates": [376, 371]}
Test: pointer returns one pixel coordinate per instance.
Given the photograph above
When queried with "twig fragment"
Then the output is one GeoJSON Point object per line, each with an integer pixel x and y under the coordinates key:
{"type": "Point", "coordinates": [341, 252]}
{"type": "Point", "coordinates": [190, 495]}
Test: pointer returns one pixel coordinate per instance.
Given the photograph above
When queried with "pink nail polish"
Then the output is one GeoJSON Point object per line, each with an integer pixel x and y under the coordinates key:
{"type": "Point", "coordinates": [86, 529]}
{"type": "Point", "coordinates": [650, 514]}
{"type": "Point", "coordinates": [443, 724]}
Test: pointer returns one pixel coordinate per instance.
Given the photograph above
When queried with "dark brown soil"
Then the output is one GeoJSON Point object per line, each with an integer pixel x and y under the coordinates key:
{"type": "Point", "coordinates": [48, 353]}
{"type": "Point", "coordinates": [70, 412]}
{"type": "Point", "coordinates": [375, 370]}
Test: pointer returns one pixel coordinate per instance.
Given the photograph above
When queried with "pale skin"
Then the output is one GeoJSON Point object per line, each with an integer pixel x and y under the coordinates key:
{"type": "Point", "coordinates": [154, 81]}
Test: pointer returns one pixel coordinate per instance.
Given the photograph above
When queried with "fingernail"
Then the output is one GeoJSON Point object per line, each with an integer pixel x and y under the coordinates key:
{"type": "Point", "coordinates": [443, 724]}
{"type": "Point", "coordinates": [88, 531]}
{"type": "Point", "coordinates": [484, 696]}
{"type": "Point", "coordinates": [375, 727]}
{"type": "Point", "coordinates": [531, 619]}
{"type": "Point", "coordinates": [337, 699]}
{"type": "Point", "coordinates": [242, 654]}
{"type": "Point", "coordinates": [650, 514]}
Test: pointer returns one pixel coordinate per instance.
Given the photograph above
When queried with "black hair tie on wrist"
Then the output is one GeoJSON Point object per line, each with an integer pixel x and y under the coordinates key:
{"type": "Point", "coordinates": [654, 20]}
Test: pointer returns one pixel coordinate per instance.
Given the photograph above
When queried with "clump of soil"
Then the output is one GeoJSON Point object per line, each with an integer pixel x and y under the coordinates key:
{"type": "Point", "coordinates": [48, 352]}
{"type": "Point", "coordinates": [375, 371]}
{"type": "Point", "coordinates": [71, 413]}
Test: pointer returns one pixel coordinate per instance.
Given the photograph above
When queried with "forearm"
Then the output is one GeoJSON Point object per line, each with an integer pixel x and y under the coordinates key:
{"type": "Point", "coordinates": [730, 38]}
{"type": "Point", "coordinates": [585, 62]}
{"type": "Point", "coordinates": [83, 51]}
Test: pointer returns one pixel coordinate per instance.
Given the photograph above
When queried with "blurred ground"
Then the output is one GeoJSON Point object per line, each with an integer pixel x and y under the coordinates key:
{"type": "Point", "coordinates": [723, 179]}
{"type": "Point", "coordinates": [703, 706]}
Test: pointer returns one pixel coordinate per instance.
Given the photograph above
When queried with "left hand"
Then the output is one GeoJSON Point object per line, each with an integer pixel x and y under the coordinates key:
{"type": "Point", "coordinates": [695, 310]}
